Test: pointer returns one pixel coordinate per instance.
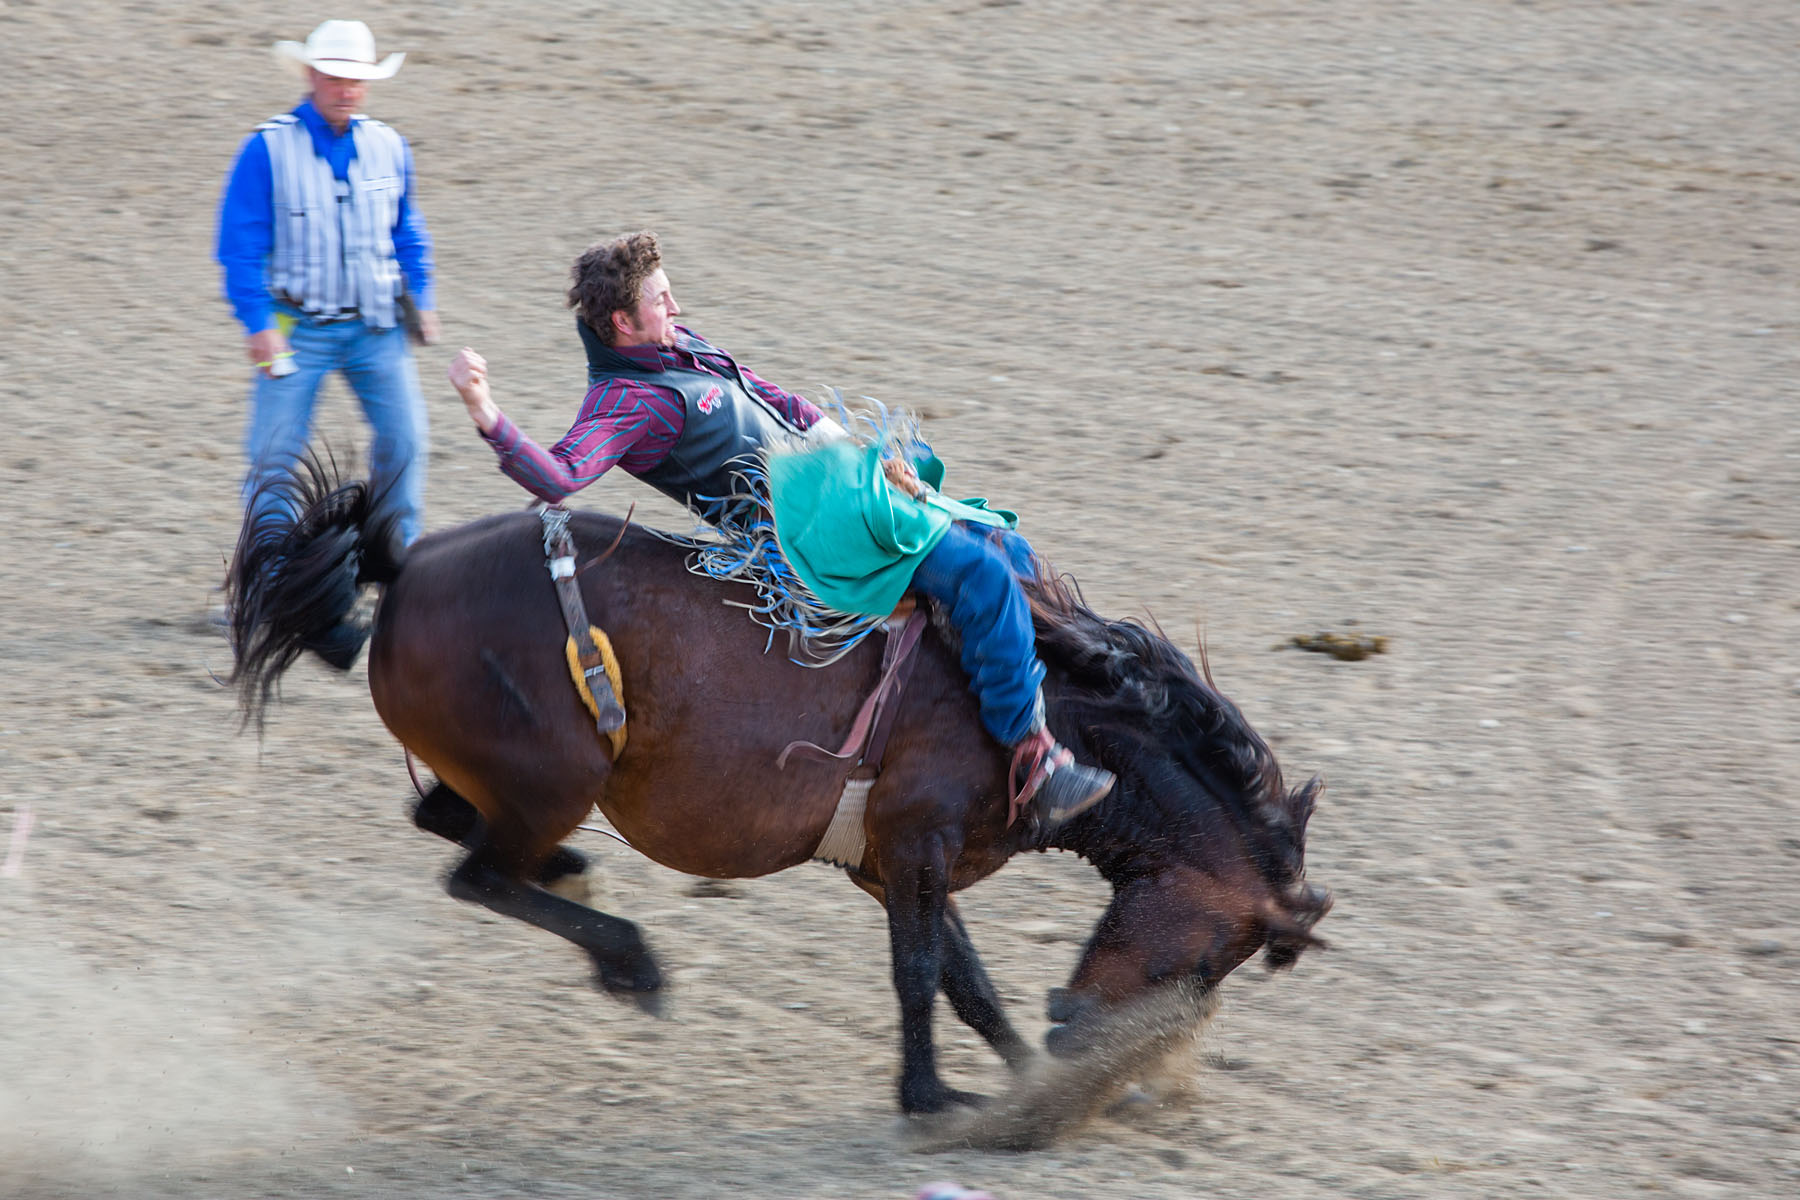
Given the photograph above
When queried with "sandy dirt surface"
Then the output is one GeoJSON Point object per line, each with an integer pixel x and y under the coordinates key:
{"type": "Point", "coordinates": [1471, 324]}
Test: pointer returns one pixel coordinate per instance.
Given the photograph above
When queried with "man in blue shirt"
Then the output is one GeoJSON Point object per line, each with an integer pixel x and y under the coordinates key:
{"type": "Point", "coordinates": [323, 251]}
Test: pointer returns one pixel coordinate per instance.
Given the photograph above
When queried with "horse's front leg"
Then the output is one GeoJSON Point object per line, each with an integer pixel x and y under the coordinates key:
{"type": "Point", "coordinates": [971, 993]}
{"type": "Point", "coordinates": [918, 895]}
{"type": "Point", "coordinates": [966, 985]}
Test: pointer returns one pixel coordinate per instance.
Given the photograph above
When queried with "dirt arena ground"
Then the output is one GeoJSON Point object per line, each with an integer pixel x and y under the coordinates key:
{"type": "Point", "coordinates": [1468, 323]}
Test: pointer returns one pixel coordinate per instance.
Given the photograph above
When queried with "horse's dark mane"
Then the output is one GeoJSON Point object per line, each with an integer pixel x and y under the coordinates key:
{"type": "Point", "coordinates": [1138, 701]}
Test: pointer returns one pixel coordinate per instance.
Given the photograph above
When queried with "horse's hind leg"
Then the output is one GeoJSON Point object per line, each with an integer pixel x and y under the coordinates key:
{"type": "Point", "coordinates": [971, 993]}
{"type": "Point", "coordinates": [443, 812]}
{"type": "Point", "coordinates": [447, 814]}
{"type": "Point", "coordinates": [623, 963]}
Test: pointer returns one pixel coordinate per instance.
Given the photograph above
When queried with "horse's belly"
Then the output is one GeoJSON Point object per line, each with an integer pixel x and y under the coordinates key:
{"type": "Point", "coordinates": [725, 820]}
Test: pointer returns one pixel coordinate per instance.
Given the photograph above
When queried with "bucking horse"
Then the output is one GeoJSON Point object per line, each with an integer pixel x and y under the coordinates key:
{"type": "Point", "coordinates": [468, 666]}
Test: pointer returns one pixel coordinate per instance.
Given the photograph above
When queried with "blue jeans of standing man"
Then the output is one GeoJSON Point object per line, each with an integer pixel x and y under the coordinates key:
{"type": "Point", "coordinates": [378, 365]}
{"type": "Point", "coordinates": [974, 574]}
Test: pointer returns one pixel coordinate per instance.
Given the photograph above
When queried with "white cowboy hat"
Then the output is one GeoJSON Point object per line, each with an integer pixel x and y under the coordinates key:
{"type": "Point", "coordinates": [345, 49]}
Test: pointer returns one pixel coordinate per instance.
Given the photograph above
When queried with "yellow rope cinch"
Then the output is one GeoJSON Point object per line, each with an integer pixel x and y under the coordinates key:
{"type": "Point", "coordinates": [611, 661]}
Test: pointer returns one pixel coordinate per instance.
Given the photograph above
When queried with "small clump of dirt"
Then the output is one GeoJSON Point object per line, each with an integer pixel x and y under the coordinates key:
{"type": "Point", "coordinates": [1350, 647]}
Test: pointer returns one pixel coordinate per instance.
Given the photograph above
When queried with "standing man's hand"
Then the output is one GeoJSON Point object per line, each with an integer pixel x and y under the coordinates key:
{"type": "Point", "coordinates": [468, 375]}
{"type": "Point", "coordinates": [267, 348]}
{"type": "Point", "coordinates": [430, 328]}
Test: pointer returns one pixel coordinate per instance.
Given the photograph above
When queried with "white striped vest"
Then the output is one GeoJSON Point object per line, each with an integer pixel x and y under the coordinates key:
{"type": "Point", "coordinates": [334, 241]}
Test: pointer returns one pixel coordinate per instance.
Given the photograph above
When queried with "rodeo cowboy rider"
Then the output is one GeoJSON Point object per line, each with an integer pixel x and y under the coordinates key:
{"type": "Point", "coordinates": [680, 414]}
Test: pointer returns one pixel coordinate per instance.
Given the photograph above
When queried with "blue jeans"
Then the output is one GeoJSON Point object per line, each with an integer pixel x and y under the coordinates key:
{"type": "Point", "coordinates": [975, 574]}
{"type": "Point", "coordinates": [378, 365]}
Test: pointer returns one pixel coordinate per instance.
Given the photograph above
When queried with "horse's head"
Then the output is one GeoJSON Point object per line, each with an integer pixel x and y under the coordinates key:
{"type": "Point", "coordinates": [1204, 846]}
{"type": "Point", "coordinates": [1201, 841]}
{"type": "Point", "coordinates": [1192, 910]}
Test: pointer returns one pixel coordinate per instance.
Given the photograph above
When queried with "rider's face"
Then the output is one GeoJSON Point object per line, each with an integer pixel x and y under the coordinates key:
{"type": "Point", "coordinates": [652, 322]}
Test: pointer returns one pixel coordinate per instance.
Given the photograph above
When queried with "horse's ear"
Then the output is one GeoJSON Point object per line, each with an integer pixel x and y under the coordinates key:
{"type": "Point", "coordinates": [1303, 800]}
{"type": "Point", "coordinates": [1200, 644]}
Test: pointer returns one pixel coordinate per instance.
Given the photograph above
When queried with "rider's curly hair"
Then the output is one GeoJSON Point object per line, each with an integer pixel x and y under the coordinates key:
{"type": "Point", "coordinates": [609, 276]}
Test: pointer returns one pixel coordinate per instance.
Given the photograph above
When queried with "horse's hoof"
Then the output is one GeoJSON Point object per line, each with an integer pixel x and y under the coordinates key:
{"type": "Point", "coordinates": [648, 1003]}
{"type": "Point", "coordinates": [940, 1100]}
{"type": "Point", "coordinates": [1068, 1040]}
{"type": "Point", "coordinates": [646, 999]}
{"type": "Point", "coordinates": [639, 983]}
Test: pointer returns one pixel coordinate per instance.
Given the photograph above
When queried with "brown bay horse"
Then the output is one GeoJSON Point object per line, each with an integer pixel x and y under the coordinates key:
{"type": "Point", "coordinates": [1203, 845]}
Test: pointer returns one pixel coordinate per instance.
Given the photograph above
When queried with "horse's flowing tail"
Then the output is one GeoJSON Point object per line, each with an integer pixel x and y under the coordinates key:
{"type": "Point", "coordinates": [310, 543]}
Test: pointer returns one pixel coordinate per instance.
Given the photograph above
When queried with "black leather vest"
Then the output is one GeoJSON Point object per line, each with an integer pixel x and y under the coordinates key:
{"type": "Point", "coordinates": [725, 423]}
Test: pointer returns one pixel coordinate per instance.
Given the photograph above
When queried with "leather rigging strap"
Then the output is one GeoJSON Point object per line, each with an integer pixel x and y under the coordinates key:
{"type": "Point", "coordinates": [869, 732]}
{"type": "Point", "coordinates": [559, 552]}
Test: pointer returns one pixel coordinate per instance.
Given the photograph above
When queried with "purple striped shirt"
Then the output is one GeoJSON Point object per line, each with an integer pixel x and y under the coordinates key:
{"type": "Point", "coordinates": [625, 423]}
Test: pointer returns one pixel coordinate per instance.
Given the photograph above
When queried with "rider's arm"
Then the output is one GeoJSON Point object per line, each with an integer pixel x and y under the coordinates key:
{"type": "Point", "coordinates": [615, 418]}
{"type": "Point", "coordinates": [589, 450]}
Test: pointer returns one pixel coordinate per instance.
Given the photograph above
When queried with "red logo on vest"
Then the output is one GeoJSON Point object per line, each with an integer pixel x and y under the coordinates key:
{"type": "Point", "coordinates": [711, 400]}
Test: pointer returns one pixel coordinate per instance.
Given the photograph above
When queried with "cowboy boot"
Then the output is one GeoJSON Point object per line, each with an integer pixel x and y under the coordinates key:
{"type": "Point", "coordinates": [1058, 787]}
